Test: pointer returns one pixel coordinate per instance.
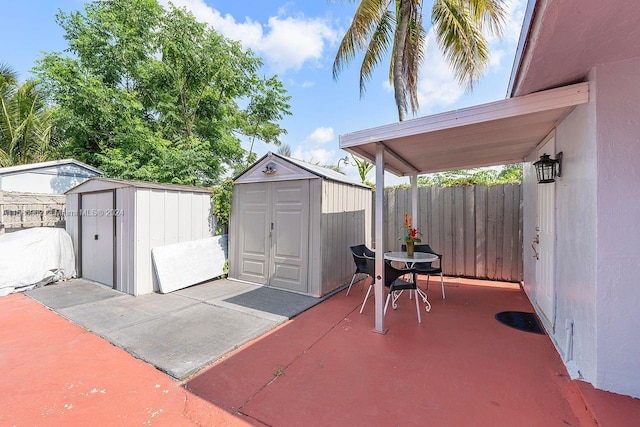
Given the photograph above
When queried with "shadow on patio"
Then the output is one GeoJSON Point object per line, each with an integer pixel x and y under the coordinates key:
{"type": "Point", "coordinates": [459, 367]}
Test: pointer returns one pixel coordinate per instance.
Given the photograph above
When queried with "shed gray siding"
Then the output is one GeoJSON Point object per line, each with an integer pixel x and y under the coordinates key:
{"type": "Point", "coordinates": [346, 221]}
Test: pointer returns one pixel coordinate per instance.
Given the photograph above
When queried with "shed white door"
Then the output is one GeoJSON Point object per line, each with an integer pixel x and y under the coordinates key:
{"type": "Point", "coordinates": [97, 237]}
{"type": "Point", "coordinates": [274, 234]}
{"type": "Point", "coordinates": [290, 236]}
{"type": "Point", "coordinates": [545, 230]}
{"type": "Point", "coordinates": [253, 232]}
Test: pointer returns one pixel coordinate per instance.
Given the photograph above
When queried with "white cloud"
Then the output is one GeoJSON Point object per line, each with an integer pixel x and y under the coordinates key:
{"type": "Point", "coordinates": [317, 156]}
{"type": "Point", "coordinates": [438, 87]}
{"type": "Point", "coordinates": [293, 41]}
{"type": "Point", "coordinates": [310, 150]}
{"type": "Point", "coordinates": [513, 24]}
{"type": "Point", "coordinates": [320, 136]}
{"type": "Point", "coordinates": [286, 43]}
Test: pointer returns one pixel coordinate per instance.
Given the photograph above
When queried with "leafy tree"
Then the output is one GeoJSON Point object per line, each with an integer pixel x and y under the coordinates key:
{"type": "Point", "coordinates": [222, 205]}
{"type": "Point", "coordinates": [152, 94]}
{"type": "Point", "coordinates": [25, 121]}
{"type": "Point", "coordinates": [396, 26]}
{"type": "Point", "coordinates": [268, 104]}
{"type": "Point", "coordinates": [508, 174]}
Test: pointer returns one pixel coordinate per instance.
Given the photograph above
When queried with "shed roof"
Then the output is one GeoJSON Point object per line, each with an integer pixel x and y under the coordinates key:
{"type": "Point", "coordinates": [319, 171]}
{"type": "Point", "coordinates": [11, 170]}
{"type": "Point", "coordinates": [112, 183]}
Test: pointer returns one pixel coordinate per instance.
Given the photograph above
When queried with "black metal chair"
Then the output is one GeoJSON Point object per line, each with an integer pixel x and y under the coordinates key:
{"type": "Point", "coordinates": [426, 268]}
{"type": "Point", "coordinates": [359, 252]}
{"type": "Point", "coordinates": [394, 284]}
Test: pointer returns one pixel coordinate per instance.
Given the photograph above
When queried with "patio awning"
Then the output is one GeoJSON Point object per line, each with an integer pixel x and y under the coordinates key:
{"type": "Point", "coordinates": [496, 133]}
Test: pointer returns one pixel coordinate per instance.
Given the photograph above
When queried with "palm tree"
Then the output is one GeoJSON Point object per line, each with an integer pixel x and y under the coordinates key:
{"type": "Point", "coordinates": [285, 150]}
{"type": "Point", "coordinates": [25, 121]}
{"type": "Point", "coordinates": [381, 25]}
{"type": "Point", "coordinates": [363, 168]}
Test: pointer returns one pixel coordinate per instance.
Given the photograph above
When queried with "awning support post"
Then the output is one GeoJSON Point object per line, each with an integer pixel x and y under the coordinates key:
{"type": "Point", "coordinates": [414, 200]}
{"type": "Point", "coordinates": [380, 241]}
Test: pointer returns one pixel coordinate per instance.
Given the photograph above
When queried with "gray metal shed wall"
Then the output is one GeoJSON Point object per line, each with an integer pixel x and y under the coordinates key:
{"type": "Point", "coordinates": [163, 218]}
{"type": "Point", "coordinates": [149, 218]}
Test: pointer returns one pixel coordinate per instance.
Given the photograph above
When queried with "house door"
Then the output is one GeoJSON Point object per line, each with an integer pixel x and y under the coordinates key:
{"type": "Point", "coordinates": [546, 242]}
{"type": "Point", "coordinates": [97, 237]}
{"type": "Point", "coordinates": [274, 234]}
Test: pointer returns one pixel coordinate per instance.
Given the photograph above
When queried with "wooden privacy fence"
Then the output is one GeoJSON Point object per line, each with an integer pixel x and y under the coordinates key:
{"type": "Point", "coordinates": [24, 210]}
{"type": "Point", "coordinates": [477, 229]}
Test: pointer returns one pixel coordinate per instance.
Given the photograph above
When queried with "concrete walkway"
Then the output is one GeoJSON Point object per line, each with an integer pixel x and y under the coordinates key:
{"type": "Point", "coordinates": [179, 333]}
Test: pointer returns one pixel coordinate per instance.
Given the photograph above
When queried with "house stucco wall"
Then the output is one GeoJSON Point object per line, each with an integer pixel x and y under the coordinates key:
{"type": "Point", "coordinates": [618, 227]}
{"type": "Point", "coordinates": [597, 232]}
{"type": "Point", "coordinates": [576, 241]}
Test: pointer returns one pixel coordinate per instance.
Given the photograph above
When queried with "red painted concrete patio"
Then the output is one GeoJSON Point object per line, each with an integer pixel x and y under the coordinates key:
{"type": "Point", "coordinates": [460, 367]}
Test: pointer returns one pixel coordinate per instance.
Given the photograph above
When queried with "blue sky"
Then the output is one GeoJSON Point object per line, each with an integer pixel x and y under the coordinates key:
{"type": "Point", "coordinates": [297, 41]}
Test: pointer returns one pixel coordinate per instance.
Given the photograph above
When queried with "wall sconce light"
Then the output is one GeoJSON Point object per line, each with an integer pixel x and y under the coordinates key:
{"type": "Point", "coordinates": [270, 168]}
{"type": "Point", "coordinates": [547, 169]}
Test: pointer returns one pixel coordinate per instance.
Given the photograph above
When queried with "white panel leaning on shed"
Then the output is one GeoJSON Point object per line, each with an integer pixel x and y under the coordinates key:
{"type": "Point", "coordinates": [292, 224]}
{"type": "Point", "coordinates": [143, 215]}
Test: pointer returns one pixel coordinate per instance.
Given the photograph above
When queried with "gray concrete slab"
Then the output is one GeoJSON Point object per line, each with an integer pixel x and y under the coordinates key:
{"type": "Point", "coordinates": [186, 340]}
{"type": "Point", "coordinates": [215, 289]}
{"type": "Point", "coordinates": [180, 332]}
{"type": "Point", "coordinates": [123, 311]}
{"type": "Point", "coordinates": [71, 293]}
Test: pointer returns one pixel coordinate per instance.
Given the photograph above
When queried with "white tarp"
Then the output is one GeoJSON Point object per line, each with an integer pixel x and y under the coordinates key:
{"type": "Point", "coordinates": [184, 264]}
{"type": "Point", "coordinates": [35, 257]}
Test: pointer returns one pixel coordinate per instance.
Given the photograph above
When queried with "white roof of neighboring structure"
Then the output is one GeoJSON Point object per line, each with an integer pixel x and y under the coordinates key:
{"type": "Point", "coordinates": [11, 170]}
{"type": "Point", "coordinates": [99, 183]}
{"type": "Point", "coordinates": [496, 133]}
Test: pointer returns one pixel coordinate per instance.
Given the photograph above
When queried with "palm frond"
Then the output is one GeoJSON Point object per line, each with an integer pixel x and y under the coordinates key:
{"type": "Point", "coordinates": [460, 39]}
{"type": "Point", "coordinates": [489, 14]}
{"type": "Point", "coordinates": [378, 47]}
{"type": "Point", "coordinates": [364, 24]}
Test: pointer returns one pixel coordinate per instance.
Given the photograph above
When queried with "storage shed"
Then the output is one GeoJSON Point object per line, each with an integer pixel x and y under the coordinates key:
{"type": "Point", "coordinates": [114, 224]}
{"type": "Point", "coordinates": [292, 224]}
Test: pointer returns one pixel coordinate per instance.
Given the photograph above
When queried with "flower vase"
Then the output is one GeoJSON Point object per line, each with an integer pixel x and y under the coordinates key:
{"type": "Point", "coordinates": [410, 249]}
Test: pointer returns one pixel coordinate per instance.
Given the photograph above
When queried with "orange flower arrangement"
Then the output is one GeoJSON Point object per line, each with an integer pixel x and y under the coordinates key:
{"type": "Point", "coordinates": [411, 234]}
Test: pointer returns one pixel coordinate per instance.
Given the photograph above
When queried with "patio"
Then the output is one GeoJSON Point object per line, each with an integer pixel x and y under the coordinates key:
{"type": "Point", "coordinates": [323, 367]}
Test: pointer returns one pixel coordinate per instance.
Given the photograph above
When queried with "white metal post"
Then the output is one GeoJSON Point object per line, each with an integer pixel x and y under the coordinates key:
{"type": "Point", "coordinates": [380, 240]}
{"type": "Point", "coordinates": [414, 200]}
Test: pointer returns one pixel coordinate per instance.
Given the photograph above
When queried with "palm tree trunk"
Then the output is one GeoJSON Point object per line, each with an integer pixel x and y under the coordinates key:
{"type": "Point", "coordinates": [399, 84]}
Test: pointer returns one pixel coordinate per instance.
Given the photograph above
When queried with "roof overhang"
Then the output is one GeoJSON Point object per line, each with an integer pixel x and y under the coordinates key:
{"type": "Point", "coordinates": [496, 133]}
{"type": "Point", "coordinates": [561, 41]}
